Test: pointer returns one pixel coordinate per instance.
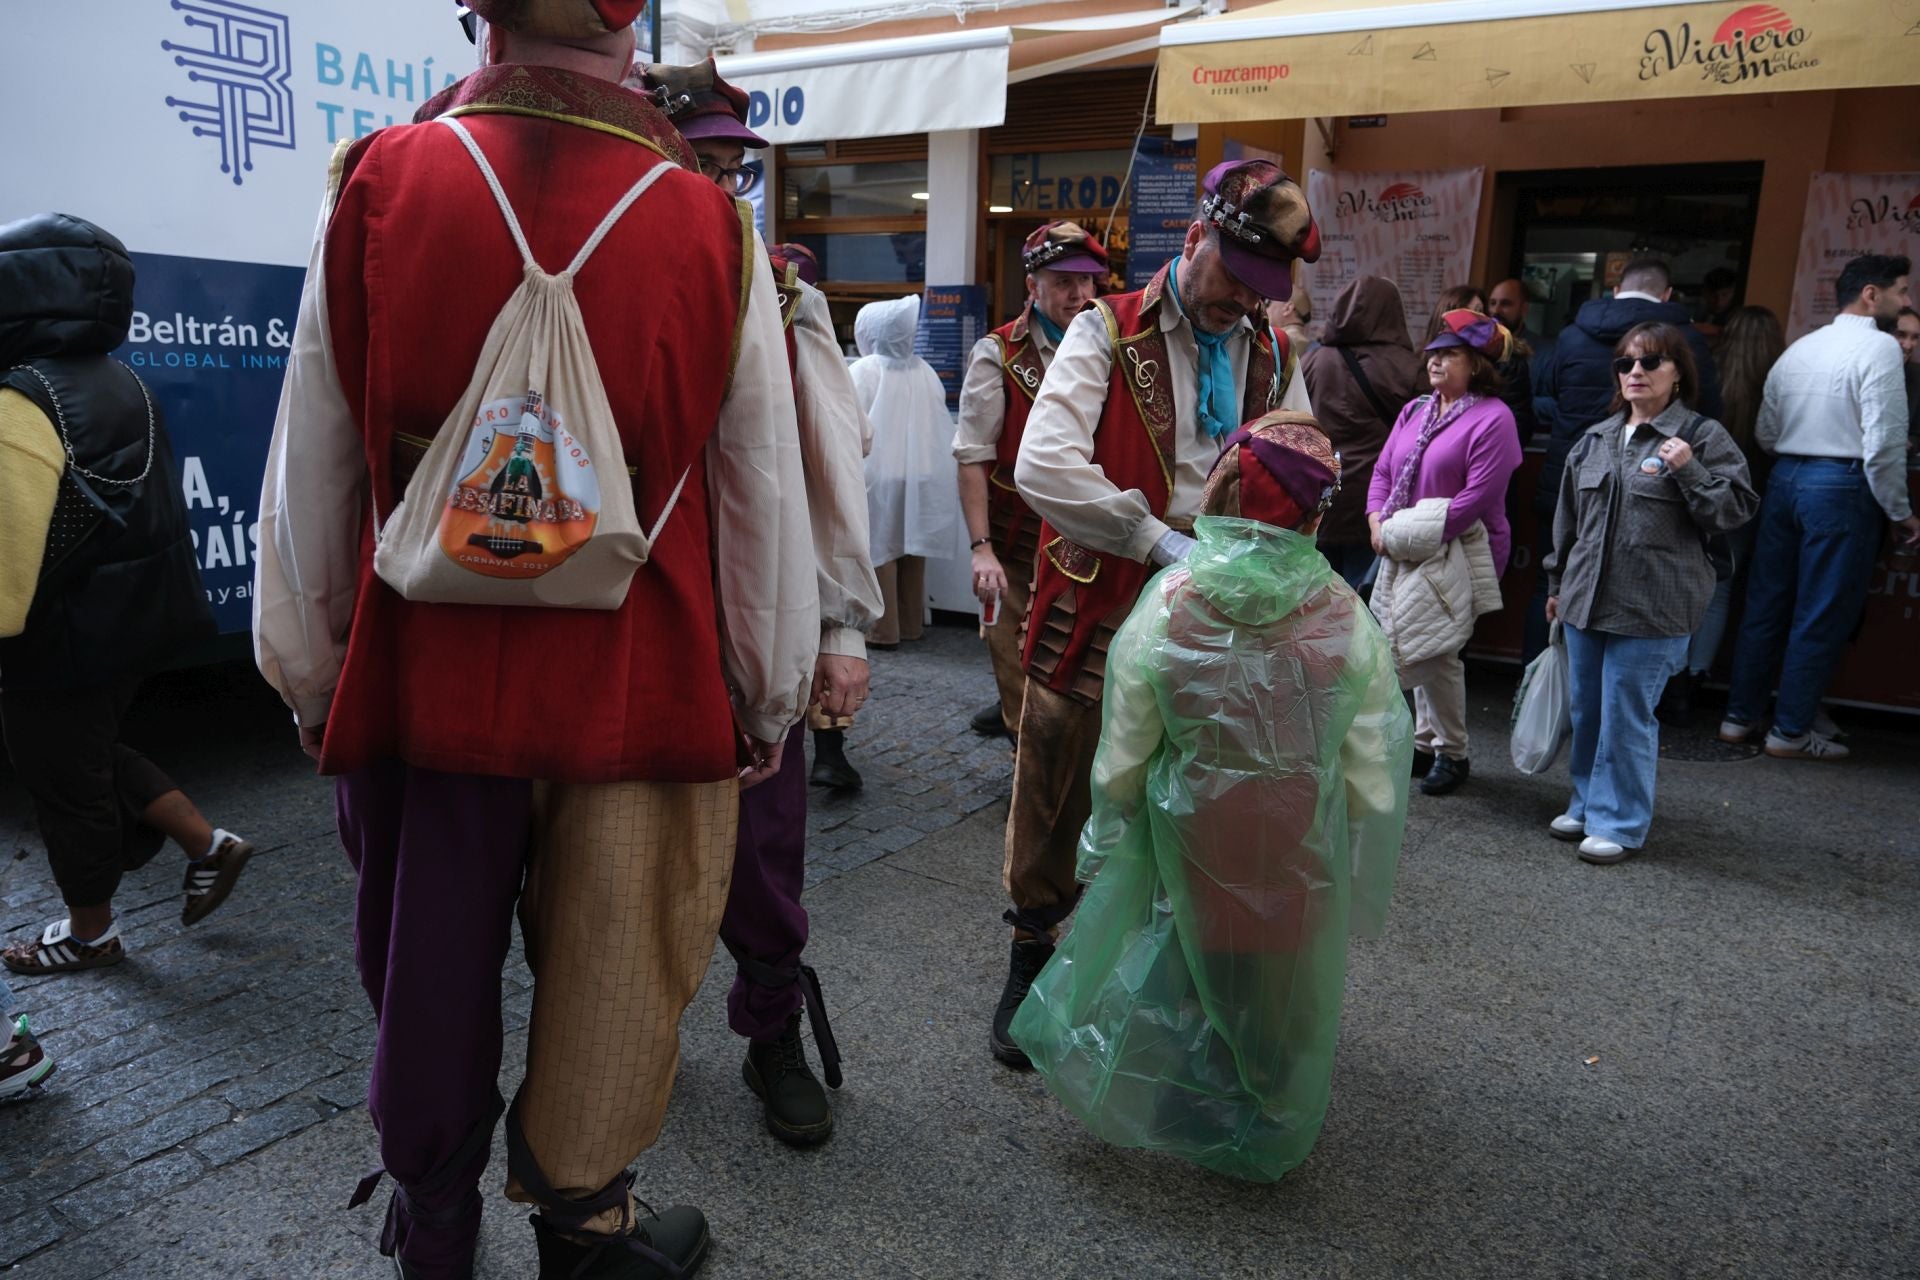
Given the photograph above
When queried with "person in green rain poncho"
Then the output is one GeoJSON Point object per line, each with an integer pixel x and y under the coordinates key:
{"type": "Point", "coordinates": [1249, 799]}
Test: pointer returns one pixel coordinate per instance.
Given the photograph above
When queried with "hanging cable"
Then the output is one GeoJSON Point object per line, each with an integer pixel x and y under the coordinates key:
{"type": "Point", "coordinates": [1126, 182]}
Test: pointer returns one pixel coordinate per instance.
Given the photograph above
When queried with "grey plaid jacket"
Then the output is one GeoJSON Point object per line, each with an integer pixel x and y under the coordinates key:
{"type": "Point", "coordinates": [1629, 535]}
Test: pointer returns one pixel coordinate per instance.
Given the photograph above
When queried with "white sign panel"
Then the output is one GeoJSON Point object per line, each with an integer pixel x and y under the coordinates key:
{"type": "Point", "coordinates": [202, 128]}
{"type": "Point", "coordinates": [881, 87]}
{"type": "Point", "coordinates": [1849, 214]}
{"type": "Point", "coordinates": [1415, 229]}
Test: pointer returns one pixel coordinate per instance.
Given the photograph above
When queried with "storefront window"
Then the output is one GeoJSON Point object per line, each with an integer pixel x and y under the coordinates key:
{"type": "Point", "coordinates": [1058, 183]}
{"type": "Point", "coordinates": [861, 207]}
{"type": "Point", "coordinates": [898, 257]}
{"type": "Point", "coordinates": [881, 190]}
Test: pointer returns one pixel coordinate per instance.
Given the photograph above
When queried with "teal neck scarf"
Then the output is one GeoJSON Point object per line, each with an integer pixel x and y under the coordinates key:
{"type": "Point", "coordinates": [1053, 331]}
{"type": "Point", "coordinates": [1218, 412]}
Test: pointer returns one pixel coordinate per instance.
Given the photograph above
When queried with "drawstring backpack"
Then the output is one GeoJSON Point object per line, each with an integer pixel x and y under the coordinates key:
{"type": "Point", "coordinates": [508, 506]}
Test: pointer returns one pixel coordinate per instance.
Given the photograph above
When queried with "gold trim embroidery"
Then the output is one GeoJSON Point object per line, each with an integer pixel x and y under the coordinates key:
{"type": "Point", "coordinates": [501, 108]}
{"type": "Point", "coordinates": [745, 212]}
{"type": "Point", "coordinates": [1074, 557]}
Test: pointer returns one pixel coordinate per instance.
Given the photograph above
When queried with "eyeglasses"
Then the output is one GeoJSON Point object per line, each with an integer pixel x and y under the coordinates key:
{"type": "Point", "coordinates": [1624, 365]}
{"type": "Point", "coordinates": [735, 182]}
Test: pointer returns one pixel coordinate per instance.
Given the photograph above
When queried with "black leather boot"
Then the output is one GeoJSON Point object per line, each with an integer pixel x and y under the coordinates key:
{"type": "Point", "coordinates": [659, 1247]}
{"type": "Point", "coordinates": [798, 1112]}
{"type": "Point", "coordinates": [1422, 761]}
{"type": "Point", "coordinates": [988, 721]}
{"type": "Point", "coordinates": [830, 767]}
{"type": "Point", "coordinates": [1030, 956]}
{"type": "Point", "coordinates": [1446, 776]}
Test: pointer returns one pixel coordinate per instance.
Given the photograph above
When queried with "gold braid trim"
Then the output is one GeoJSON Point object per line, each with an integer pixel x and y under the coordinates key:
{"type": "Point", "coordinates": [745, 211]}
{"type": "Point", "coordinates": [494, 108]}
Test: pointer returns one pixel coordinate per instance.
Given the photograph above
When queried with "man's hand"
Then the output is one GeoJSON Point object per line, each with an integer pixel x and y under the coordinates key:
{"type": "Point", "coordinates": [839, 684]}
{"type": "Point", "coordinates": [1908, 536]}
{"type": "Point", "coordinates": [311, 738]}
{"type": "Point", "coordinates": [989, 578]}
{"type": "Point", "coordinates": [763, 760]}
{"type": "Point", "coordinates": [1553, 608]}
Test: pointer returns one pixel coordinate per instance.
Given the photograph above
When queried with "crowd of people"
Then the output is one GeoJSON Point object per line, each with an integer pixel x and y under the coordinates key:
{"type": "Point", "coordinates": [1213, 539]}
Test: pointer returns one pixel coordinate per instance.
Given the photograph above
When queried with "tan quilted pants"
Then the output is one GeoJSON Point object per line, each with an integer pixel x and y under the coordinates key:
{"type": "Point", "coordinates": [625, 885]}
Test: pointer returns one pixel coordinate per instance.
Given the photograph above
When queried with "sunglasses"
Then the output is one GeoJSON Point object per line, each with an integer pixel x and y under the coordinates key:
{"type": "Point", "coordinates": [1624, 365]}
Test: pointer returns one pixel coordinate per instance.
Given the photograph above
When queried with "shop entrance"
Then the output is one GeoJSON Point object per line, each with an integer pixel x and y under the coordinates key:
{"type": "Point", "coordinates": [1574, 231]}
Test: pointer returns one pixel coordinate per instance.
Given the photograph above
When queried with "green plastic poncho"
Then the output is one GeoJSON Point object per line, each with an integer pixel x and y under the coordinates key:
{"type": "Point", "coordinates": [1249, 799]}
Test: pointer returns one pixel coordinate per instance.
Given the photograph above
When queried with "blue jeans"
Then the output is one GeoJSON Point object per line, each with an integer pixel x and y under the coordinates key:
{"type": "Point", "coordinates": [1353, 561]}
{"type": "Point", "coordinates": [1819, 534]}
{"type": "Point", "coordinates": [1616, 682]}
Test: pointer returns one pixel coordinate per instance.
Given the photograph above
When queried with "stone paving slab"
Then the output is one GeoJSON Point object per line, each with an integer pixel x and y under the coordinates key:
{"type": "Point", "coordinates": [1749, 992]}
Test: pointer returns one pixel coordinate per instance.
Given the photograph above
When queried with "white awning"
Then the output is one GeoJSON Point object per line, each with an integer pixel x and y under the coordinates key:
{"type": "Point", "coordinates": [914, 84]}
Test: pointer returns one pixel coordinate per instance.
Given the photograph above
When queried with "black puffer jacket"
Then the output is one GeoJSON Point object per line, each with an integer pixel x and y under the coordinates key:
{"type": "Point", "coordinates": [119, 588]}
{"type": "Point", "coordinates": [1573, 386]}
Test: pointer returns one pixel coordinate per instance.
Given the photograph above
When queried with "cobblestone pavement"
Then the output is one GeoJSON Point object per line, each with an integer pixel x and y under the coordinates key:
{"type": "Point", "coordinates": [1698, 1063]}
{"type": "Point", "coordinates": [207, 1047]}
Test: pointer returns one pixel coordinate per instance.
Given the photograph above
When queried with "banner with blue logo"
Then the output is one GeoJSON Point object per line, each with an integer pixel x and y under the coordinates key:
{"type": "Point", "coordinates": [1160, 202]}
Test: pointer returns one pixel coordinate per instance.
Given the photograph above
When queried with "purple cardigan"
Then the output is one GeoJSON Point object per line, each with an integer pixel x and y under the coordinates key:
{"type": "Point", "coordinates": [1470, 462]}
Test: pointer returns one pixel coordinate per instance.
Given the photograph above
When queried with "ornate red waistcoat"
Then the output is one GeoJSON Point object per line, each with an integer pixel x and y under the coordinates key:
{"type": "Point", "coordinates": [786, 285]}
{"type": "Point", "coordinates": [1081, 596]}
{"type": "Point", "coordinates": [1014, 526]}
{"type": "Point", "coordinates": [418, 264]}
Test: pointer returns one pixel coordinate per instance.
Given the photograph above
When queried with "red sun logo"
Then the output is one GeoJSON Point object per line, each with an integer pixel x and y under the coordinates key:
{"type": "Point", "coordinates": [1751, 21]}
{"type": "Point", "coordinates": [1913, 205]}
{"type": "Point", "coordinates": [1401, 191]}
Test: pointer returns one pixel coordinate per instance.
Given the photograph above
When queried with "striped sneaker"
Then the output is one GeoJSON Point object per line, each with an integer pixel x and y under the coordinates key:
{"type": "Point", "coordinates": [211, 879]}
{"type": "Point", "coordinates": [23, 1063]}
{"type": "Point", "coordinates": [1808, 746]}
{"type": "Point", "coordinates": [58, 951]}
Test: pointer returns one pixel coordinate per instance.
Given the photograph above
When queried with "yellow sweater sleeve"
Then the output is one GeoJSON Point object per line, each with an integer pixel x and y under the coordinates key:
{"type": "Point", "coordinates": [31, 461]}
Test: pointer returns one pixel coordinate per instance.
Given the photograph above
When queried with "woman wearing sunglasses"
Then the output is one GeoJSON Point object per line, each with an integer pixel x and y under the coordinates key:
{"type": "Point", "coordinates": [1629, 577]}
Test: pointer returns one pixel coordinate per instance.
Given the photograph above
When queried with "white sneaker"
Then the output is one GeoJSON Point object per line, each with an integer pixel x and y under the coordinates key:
{"type": "Point", "coordinates": [1567, 827]}
{"type": "Point", "coordinates": [1808, 746]}
{"type": "Point", "coordinates": [1824, 727]}
{"type": "Point", "coordinates": [1601, 852]}
{"type": "Point", "coordinates": [1735, 732]}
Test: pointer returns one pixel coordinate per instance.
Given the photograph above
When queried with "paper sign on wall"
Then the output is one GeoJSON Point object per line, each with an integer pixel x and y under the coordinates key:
{"type": "Point", "coordinates": [1849, 214]}
{"type": "Point", "coordinates": [1416, 229]}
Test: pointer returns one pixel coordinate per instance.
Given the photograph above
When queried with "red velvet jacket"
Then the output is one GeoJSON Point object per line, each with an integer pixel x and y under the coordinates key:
{"type": "Point", "coordinates": [418, 264]}
{"type": "Point", "coordinates": [1081, 596]}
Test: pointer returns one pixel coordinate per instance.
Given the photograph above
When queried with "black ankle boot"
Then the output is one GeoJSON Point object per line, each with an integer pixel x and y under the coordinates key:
{"type": "Point", "coordinates": [1422, 761]}
{"type": "Point", "coordinates": [776, 1070]}
{"type": "Point", "coordinates": [678, 1236]}
{"type": "Point", "coordinates": [988, 722]}
{"type": "Point", "coordinates": [1446, 775]}
{"type": "Point", "coordinates": [1030, 956]}
{"type": "Point", "coordinates": [830, 767]}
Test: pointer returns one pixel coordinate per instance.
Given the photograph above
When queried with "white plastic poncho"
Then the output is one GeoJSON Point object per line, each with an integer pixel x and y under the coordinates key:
{"type": "Point", "coordinates": [913, 498]}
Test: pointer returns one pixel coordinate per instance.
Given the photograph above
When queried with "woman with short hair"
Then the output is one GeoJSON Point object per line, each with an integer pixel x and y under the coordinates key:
{"type": "Point", "coordinates": [1629, 577]}
{"type": "Point", "coordinates": [1456, 445]}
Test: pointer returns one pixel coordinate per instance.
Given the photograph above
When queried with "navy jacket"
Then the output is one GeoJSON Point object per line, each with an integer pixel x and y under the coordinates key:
{"type": "Point", "coordinates": [1573, 384]}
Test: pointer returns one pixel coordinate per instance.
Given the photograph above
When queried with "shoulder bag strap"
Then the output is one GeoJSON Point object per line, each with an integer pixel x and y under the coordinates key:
{"type": "Point", "coordinates": [1366, 388]}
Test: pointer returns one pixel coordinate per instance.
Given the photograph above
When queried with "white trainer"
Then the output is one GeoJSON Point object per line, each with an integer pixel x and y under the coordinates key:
{"type": "Point", "coordinates": [1567, 827]}
{"type": "Point", "coordinates": [1601, 852]}
{"type": "Point", "coordinates": [1735, 732]}
{"type": "Point", "coordinates": [1808, 746]}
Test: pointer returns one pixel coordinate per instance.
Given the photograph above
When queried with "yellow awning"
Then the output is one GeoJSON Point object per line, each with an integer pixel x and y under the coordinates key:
{"type": "Point", "coordinates": [1299, 58]}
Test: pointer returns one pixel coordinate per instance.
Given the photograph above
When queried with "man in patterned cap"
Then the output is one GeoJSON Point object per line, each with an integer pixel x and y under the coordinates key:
{"type": "Point", "coordinates": [1065, 266]}
{"type": "Point", "coordinates": [765, 927]}
{"type": "Point", "coordinates": [480, 748]}
{"type": "Point", "coordinates": [1144, 387]}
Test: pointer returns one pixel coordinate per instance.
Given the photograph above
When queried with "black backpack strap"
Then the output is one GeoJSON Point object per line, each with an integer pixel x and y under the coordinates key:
{"type": "Point", "coordinates": [1366, 388]}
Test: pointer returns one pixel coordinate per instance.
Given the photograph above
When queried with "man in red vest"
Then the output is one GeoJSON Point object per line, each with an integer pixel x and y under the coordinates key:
{"type": "Point", "coordinates": [477, 747]}
{"type": "Point", "coordinates": [1129, 421]}
{"type": "Point", "coordinates": [765, 927]}
{"type": "Point", "coordinates": [1065, 266]}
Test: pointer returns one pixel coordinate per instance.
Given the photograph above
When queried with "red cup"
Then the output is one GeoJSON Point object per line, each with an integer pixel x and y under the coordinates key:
{"type": "Point", "coordinates": [990, 610]}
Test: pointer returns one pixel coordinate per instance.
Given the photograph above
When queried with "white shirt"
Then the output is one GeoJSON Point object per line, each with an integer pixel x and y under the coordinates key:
{"type": "Point", "coordinates": [983, 397]}
{"type": "Point", "coordinates": [834, 436]}
{"type": "Point", "coordinates": [1056, 473]}
{"type": "Point", "coordinates": [1840, 392]}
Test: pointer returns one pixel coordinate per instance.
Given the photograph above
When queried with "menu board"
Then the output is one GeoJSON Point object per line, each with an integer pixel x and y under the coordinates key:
{"type": "Point", "coordinates": [1848, 214]}
{"type": "Point", "coordinates": [952, 318]}
{"type": "Point", "coordinates": [1160, 200]}
{"type": "Point", "coordinates": [1416, 229]}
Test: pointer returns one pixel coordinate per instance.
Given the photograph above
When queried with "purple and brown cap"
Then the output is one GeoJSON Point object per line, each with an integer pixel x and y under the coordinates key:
{"type": "Point", "coordinates": [1264, 224]}
{"type": "Point", "coordinates": [797, 256]}
{"type": "Point", "coordinates": [1289, 471]}
{"type": "Point", "coordinates": [558, 19]}
{"type": "Point", "coordinates": [700, 103]}
{"type": "Point", "coordinates": [1462, 327]}
{"type": "Point", "coordinates": [1064, 246]}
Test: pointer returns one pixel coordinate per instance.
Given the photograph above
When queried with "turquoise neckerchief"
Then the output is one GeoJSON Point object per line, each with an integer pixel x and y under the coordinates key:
{"type": "Point", "coordinates": [1218, 412]}
{"type": "Point", "coordinates": [1053, 331]}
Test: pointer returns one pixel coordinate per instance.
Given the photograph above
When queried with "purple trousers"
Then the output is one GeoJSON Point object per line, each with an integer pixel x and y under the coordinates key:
{"type": "Point", "coordinates": [765, 927]}
{"type": "Point", "coordinates": [441, 858]}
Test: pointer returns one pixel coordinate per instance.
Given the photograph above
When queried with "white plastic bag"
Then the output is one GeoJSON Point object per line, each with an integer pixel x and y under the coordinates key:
{"type": "Point", "coordinates": [1543, 709]}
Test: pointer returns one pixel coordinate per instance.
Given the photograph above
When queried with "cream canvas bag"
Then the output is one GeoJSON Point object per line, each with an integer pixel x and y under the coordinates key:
{"type": "Point", "coordinates": [523, 497]}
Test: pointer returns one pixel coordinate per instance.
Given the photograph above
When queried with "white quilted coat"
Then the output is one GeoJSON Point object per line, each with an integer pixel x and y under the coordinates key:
{"type": "Point", "coordinates": [1428, 592]}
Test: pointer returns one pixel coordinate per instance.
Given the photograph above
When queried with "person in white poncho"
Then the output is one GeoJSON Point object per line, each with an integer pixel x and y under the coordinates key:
{"type": "Point", "coordinates": [912, 504]}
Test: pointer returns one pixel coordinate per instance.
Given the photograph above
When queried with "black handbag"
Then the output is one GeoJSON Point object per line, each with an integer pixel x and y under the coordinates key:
{"type": "Point", "coordinates": [1718, 546]}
